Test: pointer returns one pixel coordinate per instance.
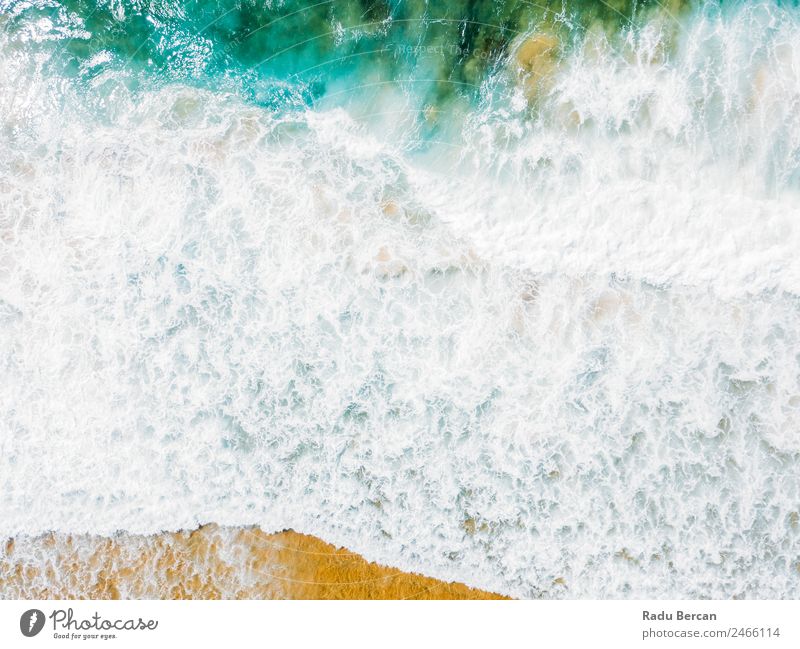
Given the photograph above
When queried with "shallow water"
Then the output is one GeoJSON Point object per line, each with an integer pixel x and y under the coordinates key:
{"type": "Point", "coordinates": [502, 297]}
{"type": "Point", "coordinates": [208, 563]}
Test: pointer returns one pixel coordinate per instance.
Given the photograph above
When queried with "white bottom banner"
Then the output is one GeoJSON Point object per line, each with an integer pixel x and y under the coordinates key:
{"type": "Point", "coordinates": [354, 624]}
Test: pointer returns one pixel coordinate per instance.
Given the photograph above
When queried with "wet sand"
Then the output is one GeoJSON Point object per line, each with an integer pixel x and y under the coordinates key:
{"type": "Point", "coordinates": [211, 562]}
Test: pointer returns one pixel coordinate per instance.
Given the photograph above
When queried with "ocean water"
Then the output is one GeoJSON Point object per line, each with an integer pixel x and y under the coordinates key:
{"type": "Point", "coordinates": [506, 293]}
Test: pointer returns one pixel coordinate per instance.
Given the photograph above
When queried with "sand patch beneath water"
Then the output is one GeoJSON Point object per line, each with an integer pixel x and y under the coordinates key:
{"type": "Point", "coordinates": [211, 562]}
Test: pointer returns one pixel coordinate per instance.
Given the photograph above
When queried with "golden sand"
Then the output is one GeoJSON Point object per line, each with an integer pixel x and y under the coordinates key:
{"type": "Point", "coordinates": [209, 563]}
{"type": "Point", "coordinates": [536, 60]}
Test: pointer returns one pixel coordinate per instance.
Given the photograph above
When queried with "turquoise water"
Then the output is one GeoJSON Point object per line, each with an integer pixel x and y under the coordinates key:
{"type": "Point", "coordinates": [289, 55]}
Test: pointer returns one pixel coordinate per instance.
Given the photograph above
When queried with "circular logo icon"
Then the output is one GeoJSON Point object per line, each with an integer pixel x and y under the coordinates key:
{"type": "Point", "coordinates": [31, 622]}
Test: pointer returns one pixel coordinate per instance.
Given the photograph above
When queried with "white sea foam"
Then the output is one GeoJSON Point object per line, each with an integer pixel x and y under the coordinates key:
{"type": "Point", "coordinates": [568, 350]}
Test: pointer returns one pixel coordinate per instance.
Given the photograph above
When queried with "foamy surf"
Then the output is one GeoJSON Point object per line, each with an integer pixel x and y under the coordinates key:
{"type": "Point", "coordinates": [547, 331]}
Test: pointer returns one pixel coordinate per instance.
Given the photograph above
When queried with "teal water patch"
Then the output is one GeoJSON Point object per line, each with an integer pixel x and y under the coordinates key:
{"type": "Point", "coordinates": [295, 54]}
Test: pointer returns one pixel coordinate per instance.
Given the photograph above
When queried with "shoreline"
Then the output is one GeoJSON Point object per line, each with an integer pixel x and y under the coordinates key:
{"type": "Point", "coordinates": [210, 562]}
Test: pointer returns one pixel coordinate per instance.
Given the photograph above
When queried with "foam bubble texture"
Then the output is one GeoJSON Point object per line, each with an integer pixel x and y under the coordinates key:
{"type": "Point", "coordinates": [574, 372]}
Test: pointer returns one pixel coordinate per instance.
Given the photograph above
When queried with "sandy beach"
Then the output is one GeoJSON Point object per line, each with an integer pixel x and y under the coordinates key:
{"type": "Point", "coordinates": [211, 562]}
